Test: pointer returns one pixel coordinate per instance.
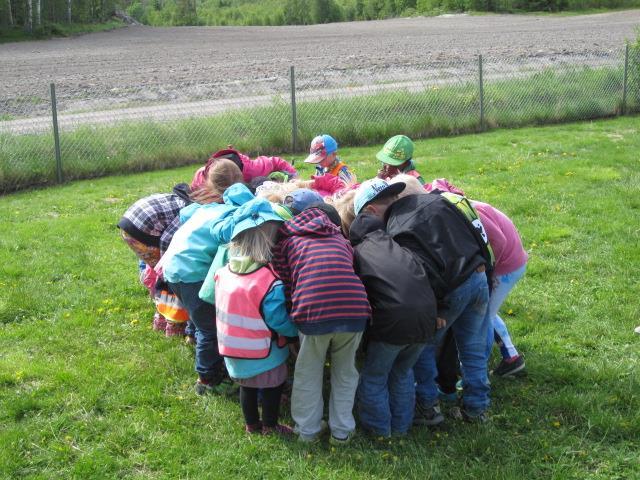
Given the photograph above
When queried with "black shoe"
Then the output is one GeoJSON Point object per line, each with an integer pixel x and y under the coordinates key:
{"type": "Point", "coordinates": [509, 368]}
{"type": "Point", "coordinates": [475, 417]}
{"type": "Point", "coordinates": [428, 415]}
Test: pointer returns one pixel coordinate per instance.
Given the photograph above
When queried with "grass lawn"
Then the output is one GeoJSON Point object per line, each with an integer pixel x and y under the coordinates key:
{"type": "Point", "coordinates": [88, 390]}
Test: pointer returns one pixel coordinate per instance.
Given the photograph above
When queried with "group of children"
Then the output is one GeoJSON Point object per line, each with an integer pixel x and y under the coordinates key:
{"type": "Point", "coordinates": [264, 264]}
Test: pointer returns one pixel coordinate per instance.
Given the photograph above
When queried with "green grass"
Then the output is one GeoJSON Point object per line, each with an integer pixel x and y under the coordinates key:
{"type": "Point", "coordinates": [49, 30]}
{"type": "Point", "coordinates": [87, 390]}
{"type": "Point", "coordinates": [544, 97]}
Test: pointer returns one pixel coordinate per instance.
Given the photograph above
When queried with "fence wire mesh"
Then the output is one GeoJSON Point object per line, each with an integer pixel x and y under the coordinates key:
{"type": "Point", "coordinates": [103, 131]}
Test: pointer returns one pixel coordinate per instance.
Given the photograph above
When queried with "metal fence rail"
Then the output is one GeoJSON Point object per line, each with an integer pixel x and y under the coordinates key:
{"type": "Point", "coordinates": [48, 136]}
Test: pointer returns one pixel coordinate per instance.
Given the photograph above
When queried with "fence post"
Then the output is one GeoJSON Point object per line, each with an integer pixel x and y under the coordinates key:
{"type": "Point", "coordinates": [624, 80]}
{"type": "Point", "coordinates": [294, 118]}
{"type": "Point", "coordinates": [56, 134]}
{"type": "Point", "coordinates": [481, 92]}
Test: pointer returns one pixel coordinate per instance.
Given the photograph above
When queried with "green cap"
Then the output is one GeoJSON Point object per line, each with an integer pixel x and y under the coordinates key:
{"type": "Point", "coordinates": [396, 151]}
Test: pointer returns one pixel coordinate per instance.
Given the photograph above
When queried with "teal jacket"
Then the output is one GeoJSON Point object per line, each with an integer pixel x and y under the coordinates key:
{"type": "Point", "coordinates": [193, 246]}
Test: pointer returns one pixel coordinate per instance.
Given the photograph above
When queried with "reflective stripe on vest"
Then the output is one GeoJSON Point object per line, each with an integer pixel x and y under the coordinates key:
{"type": "Point", "coordinates": [242, 331]}
{"type": "Point", "coordinates": [170, 307]}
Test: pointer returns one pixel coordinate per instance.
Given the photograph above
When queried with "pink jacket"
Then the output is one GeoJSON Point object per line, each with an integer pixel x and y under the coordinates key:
{"type": "Point", "coordinates": [504, 238]}
{"type": "Point", "coordinates": [262, 166]}
{"type": "Point", "coordinates": [259, 167]}
{"type": "Point", "coordinates": [502, 233]}
{"type": "Point", "coordinates": [328, 185]}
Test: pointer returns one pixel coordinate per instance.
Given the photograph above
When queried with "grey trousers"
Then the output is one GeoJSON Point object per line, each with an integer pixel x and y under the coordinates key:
{"type": "Point", "coordinates": [307, 403]}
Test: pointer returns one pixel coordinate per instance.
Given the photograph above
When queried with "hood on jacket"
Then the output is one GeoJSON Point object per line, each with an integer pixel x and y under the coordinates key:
{"type": "Point", "coordinates": [182, 190]}
{"type": "Point", "coordinates": [363, 224]}
{"type": "Point", "coordinates": [312, 221]}
{"type": "Point", "coordinates": [235, 196]}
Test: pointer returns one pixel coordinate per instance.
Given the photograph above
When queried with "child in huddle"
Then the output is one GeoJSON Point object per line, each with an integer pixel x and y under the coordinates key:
{"type": "Point", "coordinates": [187, 261]}
{"type": "Point", "coordinates": [274, 167]}
{"type": "Point", "coordinates": [146, 227]}
{"type": "Point", "coordinates": [397, 158]}
{"type": "Point", "coordinates": [510, 266]}
{"type": "Point", "coordinates": [251, 315]}
{"type": "Point", "coordinates": [404, 319]}
{"type": "Point", "coordinates": [329, 306]}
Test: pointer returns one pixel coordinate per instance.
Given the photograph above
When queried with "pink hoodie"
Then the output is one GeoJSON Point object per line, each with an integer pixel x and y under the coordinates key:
{"type": "Point", "coordinates": [504, 238]}
{"type": "Point", "coordinates": [502, 233]}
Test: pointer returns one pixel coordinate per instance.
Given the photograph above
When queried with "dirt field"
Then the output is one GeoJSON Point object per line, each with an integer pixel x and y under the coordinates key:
{"type": "Point", "coordinates": [144, 65]}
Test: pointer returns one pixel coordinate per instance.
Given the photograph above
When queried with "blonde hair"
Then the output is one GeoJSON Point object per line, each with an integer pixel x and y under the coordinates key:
{"type": "Point", "coordinates": [221, 175]}
{"type": "Point", "coordinates": [256, 243]}
{"type": "Point", "coordinates": [414, 187]}
{"type": "Point", "coordinates": [277, 192]}
{"type": "Point", "coordinates": [346, 209]}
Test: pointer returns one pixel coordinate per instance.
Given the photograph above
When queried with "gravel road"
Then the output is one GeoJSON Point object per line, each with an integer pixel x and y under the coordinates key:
{"type": "Point", "coordinates": [138, 65]}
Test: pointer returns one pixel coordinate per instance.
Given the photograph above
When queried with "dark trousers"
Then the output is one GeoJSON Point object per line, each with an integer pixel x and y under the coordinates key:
{"type": "Point", "coordinates": [270, 405]}
{"type": "Point", "coordinates": [448, 364]}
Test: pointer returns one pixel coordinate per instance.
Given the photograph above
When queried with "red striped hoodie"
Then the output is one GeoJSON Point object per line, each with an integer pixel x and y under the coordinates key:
{"type": "Point", "coordinates": [315, 262]}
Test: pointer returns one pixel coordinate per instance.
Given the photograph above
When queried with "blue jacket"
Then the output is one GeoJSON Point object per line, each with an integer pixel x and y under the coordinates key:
{"type": "Point", "coordinates": [193, 246]}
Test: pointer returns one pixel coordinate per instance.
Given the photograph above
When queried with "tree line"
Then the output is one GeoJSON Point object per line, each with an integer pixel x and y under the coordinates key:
{"type": "Point", "coordinates": [35, 15]}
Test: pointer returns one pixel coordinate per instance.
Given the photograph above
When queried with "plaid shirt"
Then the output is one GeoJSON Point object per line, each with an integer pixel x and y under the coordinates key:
{"type": "Point", "coordinates": [151, 215]}
{"type": "Point", "coordinates": [167, 235]}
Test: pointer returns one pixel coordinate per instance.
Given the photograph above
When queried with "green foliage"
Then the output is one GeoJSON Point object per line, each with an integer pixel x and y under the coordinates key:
{"type": "Point", "coordinates": [89, 391]}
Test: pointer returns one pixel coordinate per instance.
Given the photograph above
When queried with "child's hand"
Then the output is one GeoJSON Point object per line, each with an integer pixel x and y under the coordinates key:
{"type": "Point", "coordinates": [440, 323]}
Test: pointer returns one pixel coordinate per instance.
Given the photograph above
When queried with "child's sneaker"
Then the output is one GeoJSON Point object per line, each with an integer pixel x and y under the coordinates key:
{"type": "Point", "coordinates": [428, 415]}
{"type": "Point", "coordinates": [174, 329]}
{"type": "Point", "coordinates": [279, 429]}
{"type": "Point", "coordinates": [253, 428]}
{"type": "Point", "coordinates": [315, 437]}
{"type": "Point", "coordinates": [336, 441]}
{"type": "Point", "coordinates": [474, 417]}
{"type": "Point", "coordinates": [510, 367]}
{"type": "Point", "coordinates": [204, 387]}
{"type": "Point", "coordinates": [159, 322]}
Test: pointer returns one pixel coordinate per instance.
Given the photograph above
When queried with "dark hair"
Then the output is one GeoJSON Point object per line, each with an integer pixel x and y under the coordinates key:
{"type": "Point", "coordinates": [256, 182]}
{"type": "Point", "coordinates": [234, 157]}
{"type": "Point", "coordinates": [330, 210]}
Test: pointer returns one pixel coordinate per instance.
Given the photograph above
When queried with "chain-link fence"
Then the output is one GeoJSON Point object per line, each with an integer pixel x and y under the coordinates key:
{"type": "Point", "coordinates": [48, 137]}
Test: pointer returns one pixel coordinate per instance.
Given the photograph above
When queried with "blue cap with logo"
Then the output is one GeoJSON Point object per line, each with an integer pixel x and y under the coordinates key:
{"type": "Point", "coordinates": [375, 189]}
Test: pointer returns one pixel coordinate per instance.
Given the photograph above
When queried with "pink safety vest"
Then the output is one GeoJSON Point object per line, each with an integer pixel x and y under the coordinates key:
{"type": "Point", "coordinates": [242, 332]}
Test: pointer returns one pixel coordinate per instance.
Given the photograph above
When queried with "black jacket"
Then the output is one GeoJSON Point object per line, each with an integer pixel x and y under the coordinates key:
{"type": "Point", "coordinates": [402, 302]}
{"type": "Point", "coordinates": [432, 227]}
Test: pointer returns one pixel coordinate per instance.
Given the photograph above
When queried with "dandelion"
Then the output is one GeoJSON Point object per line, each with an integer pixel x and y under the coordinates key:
{"type": "Point", "coordinates": [510, 311]}
{"type": "Point", "coordinates": [19, 375]}
{"type": "Point", "coordinates": [556, 424]}
{"type": "Point", "coordinates": [134, 322]}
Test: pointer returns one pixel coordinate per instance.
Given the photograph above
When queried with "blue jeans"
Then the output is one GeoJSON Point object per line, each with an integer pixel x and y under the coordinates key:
{"type": "Point", "coordinates": [502, 285]}
{"type": "Point", "coordinates": [466, 315]}
{"type": "Point", "coordinates": [203, 315]}
{"type": "Point", "coordinates": [386, 394]}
